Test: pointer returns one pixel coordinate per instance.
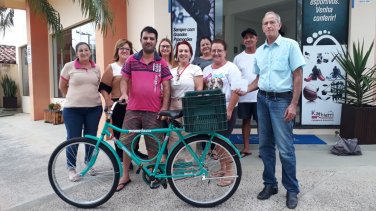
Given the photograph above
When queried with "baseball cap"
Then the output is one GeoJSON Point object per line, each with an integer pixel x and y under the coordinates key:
{"type": "Point", "coordinates": [249, 30]}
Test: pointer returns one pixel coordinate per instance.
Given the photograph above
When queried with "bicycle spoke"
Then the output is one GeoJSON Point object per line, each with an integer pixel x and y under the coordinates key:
{"type": "Point", "coordinates": [89, 190]}
{"type": "Point", "coordinates": [211, 190]}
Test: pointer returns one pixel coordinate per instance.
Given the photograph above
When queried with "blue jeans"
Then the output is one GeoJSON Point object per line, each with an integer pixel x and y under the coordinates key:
{"type": "Point", "coordinates": [74, 118]}
{"type": "Point", "coordinates": [274, 130]}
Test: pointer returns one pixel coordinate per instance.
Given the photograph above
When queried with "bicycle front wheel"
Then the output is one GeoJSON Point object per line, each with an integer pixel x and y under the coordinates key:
{"type": "Point", "coordinates": [84, 191]}
{"type": "Point", "coordinates": [223, 172]}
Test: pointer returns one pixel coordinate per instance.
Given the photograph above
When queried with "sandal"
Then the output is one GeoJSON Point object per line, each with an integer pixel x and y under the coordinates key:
{"type": "Point", "coordinates": [215, 156]}
{"type": "Point", "coordinates": [245, 154]}
{"type": "Point", "coordinates": [225, 182]}
{"type": "Point", "coordinates": [91, 171]}
{"type": "Point", "coordinates": [218, 174]}
{"type": "Point", "coordinates": [73, 176]}
{"type": "Point", "coordinates": [123, 184]}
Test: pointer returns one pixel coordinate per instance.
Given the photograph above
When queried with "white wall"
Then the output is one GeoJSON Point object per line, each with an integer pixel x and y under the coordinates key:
{"type": "Point", "coordinates": [17, 36]}
{"type": "Point", "coordinates": [70, 13]}
{"type": "Point", "coordinates": [141, 13]}
{"type": "Point", "coordinates": [363, 26]}
{"type": "Point", "coordinates": [25, 105]}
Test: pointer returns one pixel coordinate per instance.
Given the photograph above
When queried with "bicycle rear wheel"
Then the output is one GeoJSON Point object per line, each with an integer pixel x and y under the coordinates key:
{"type": "Point", "coordinates": [96, 186]}
{"type": "Point", "coordinates": [218, 186]}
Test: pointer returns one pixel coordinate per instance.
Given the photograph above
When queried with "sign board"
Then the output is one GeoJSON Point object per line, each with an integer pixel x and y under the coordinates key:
{"type": "Point", "coordinates": [325, 32]}
{"type": "Point", "coordinates": [29, 54]}
{"type": "Point", "coordinates": [191, 21]}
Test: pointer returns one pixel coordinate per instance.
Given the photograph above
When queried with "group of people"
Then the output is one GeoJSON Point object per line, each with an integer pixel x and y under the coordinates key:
{"type": "Point", "coordinates": [151, 81]}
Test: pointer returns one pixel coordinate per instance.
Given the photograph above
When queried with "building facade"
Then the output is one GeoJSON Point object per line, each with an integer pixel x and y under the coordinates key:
{"type": "Point", "coordinates": [231, 17]}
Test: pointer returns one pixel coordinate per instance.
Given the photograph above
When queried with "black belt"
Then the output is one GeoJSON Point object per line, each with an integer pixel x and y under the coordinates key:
{"type": "Point", "coordinates": [276, 94]}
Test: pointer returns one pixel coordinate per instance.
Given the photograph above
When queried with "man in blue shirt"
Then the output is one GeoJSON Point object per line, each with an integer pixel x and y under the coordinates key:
{"type": "Point", "coordinates": [278, 66]}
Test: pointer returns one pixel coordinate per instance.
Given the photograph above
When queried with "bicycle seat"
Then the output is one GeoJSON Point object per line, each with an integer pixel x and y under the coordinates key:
{"type": "Point", "coordinates": [173, 114]}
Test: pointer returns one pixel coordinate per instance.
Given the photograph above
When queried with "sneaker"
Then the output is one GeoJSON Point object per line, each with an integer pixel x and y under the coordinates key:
{"type": "Point", "coordinates": [330, 77]}
{"type": "Point", "coordinates": [333, 77]}
{"type": "Point", "coordinates": [320, 76]}
{"type": "Point", "coordinates": [309, 78]}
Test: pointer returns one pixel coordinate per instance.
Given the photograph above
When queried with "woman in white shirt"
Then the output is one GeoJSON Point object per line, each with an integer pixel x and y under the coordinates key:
{"type": "Point", "coordinates": [186, 77]}
{"type": "Point", "coordinates": [220, 75]}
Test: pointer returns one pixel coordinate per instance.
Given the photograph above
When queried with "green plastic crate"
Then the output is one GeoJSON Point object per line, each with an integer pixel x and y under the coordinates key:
{"type": "Point", "coordinates": [204, 111]}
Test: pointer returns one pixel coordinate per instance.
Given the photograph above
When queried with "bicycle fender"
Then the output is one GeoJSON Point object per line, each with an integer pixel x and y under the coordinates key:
{"type": "Point", "coordinates": [111, 149]}
{"type": "Point", "coordinates": [215, 135]}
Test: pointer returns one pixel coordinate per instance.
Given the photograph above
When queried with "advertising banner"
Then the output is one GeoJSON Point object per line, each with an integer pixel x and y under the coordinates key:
{"type": "Point", "coordinates": [192, 20]}
{"type": "Point", "coordinates": [325, 31]}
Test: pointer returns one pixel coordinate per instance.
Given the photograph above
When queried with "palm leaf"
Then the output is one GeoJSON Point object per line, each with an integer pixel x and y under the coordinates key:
{"type": "Point", "coordinates": [6, 19]}
{"type": "Point", "coordinates": [100, 12]}
{"type": "Point", "coordinates": [47, 14]}
{"type": "Point", "coordinates": [360, 81]}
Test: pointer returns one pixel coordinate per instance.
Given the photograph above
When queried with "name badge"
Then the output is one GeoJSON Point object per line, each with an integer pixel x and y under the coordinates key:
{"type": "Point", "coordinates": [176, 83]}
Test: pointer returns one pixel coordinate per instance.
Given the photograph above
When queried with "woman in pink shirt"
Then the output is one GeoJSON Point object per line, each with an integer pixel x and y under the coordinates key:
{"type": "Point", "coordinates": [79, 82]}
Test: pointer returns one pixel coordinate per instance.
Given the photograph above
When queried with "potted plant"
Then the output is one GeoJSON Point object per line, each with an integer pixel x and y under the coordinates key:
{"type": "Point", "coordinates": [10, 90]}
{"type": "Point", "coordinates": [358, 116]}
{"type": "Point", "coordinates": [53, 114]}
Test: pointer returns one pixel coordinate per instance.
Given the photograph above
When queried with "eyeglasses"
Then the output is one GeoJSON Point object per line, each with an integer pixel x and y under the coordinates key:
{"type": "Point", "coordinates": [124, 49]}
{"type": "Point", "coordinates": [165, 46]}
{"type": "Point", "coordinates": [218, 51]}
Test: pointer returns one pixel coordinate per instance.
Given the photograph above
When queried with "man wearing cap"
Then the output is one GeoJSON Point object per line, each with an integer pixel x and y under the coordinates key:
{"type": "Point", "coordinates": [247, 106]}
{"type": "Point", "coordinates": [278, 65]}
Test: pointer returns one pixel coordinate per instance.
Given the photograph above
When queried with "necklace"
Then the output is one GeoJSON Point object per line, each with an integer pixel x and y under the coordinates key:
{"type": "Point", "coordinates": [178, 75]}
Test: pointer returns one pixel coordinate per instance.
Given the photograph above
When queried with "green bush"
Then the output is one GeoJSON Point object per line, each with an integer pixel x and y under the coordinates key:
{"type": "Point", "coordinates": [51, 106]}
{"type": "Point", "coordinates": [9, 86]}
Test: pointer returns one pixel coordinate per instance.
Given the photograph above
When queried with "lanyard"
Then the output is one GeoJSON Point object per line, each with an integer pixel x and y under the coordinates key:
{"type": "Point", "coordinates": [178, 75]}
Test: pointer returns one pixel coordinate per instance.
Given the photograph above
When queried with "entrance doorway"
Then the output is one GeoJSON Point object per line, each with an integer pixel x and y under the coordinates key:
{"type": "Point", "coordinates": [241, 14]}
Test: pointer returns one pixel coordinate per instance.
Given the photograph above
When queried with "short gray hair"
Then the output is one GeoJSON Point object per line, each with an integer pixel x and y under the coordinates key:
{"type": "Point", "coordinates": [271, 12]}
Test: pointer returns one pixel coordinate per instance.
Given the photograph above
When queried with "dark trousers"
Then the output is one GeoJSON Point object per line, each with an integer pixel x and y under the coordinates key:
{"type": "Point", "coordinates": [74, 118]}
{"type": "Point", "coordinates": [117, 120]}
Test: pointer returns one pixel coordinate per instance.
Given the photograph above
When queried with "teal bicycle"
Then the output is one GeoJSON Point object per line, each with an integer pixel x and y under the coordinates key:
{"type": "Point", "coordinates": [191, 170]}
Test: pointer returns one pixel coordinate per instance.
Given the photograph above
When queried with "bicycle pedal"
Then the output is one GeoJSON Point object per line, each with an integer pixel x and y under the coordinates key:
{"type": "Point", "coordinates": [164, 185]}
{"type": "Point", "coordinates": [154, 187]}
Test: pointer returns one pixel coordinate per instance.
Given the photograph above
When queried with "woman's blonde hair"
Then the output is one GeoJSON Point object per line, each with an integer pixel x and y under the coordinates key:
{"type": "Point", "coordinates": [172, 60]}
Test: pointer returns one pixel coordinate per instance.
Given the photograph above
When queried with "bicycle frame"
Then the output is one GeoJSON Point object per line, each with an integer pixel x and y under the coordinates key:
{"type": "Point", "coordinates": [139, 161]}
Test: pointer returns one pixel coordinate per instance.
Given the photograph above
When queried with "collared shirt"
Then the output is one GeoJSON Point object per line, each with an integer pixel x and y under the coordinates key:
{"type": "Point", "coordinates": [146, 79]}
{"type": "Point", "coordinates": [82, 85]}
{"type": "Point", "coordinates": [275, 64]}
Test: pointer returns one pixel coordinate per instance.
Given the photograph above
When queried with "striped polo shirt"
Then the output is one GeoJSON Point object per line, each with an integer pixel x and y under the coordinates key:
{"type": "Point", "coordinates": [146, 79]}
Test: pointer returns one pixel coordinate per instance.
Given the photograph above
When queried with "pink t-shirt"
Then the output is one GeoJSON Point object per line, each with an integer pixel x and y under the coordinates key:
{"type": "Point", "coordinates": [146, 79]}
{"type": "Point", "coordinates": [82, 85]}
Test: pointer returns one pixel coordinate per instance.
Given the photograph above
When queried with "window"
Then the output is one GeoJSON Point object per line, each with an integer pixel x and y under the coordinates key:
{"type": "Point", "coordinates": [65, 54]}
{"type": "Point", "coordinates": [25, 71]}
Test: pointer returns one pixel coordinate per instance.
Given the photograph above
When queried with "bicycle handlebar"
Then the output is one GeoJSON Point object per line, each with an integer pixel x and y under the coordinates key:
{"type": "Point", "coordinates": [113, 105]}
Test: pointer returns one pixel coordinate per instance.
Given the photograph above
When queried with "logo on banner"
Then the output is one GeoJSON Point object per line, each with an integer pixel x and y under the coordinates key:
{"type": "Point", "coordinates": [322, 116]}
